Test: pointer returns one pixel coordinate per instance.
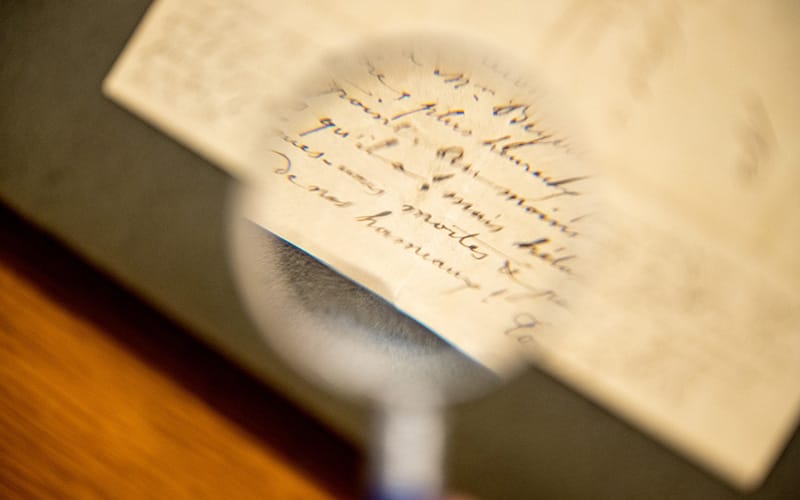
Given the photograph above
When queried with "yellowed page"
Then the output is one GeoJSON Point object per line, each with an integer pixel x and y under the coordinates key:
{"type": "Point", "coordinates": [401, 171]}
{"type": "Point", "coordinates": [687, 111]}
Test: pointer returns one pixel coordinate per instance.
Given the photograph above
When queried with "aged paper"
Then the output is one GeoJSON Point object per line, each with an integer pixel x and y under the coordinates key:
{"type": "Point", "coordinates": [686, 110]}
{"type": "Point", "coordinates": [399, 167]}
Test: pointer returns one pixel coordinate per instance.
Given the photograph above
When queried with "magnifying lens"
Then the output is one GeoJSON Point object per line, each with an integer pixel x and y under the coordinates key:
{"type": "Point", "coordinates": [403, 242]}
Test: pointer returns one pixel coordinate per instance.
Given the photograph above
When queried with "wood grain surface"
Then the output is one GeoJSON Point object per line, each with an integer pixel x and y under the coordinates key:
{"type": "Point", "coordinates": [101, 397]}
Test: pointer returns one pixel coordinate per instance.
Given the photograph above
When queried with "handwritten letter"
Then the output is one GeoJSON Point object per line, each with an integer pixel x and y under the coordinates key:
{"type": "Point", "coordinates": [481, 191]}
{"type": "Point", "coordinates": [437, 179]}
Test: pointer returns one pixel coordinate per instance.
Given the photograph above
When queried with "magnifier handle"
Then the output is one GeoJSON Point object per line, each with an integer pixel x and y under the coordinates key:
{"type": "Point", "coordinates": [409, 454]}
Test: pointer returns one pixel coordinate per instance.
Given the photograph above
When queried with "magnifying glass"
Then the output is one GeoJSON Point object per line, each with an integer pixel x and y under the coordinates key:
{"type": "Point", "coordinates": [345, 337]}
{"type": "Point", "coordinates": [407, 240]}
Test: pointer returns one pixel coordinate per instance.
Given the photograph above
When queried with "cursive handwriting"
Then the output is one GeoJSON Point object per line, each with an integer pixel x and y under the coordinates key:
{"type": "Point", "coordinates": [371, 222]}
{"type": "Point", "coordinates": [469, 208]}
{"type": "Point", "coordinates": [463, 239]}
{"type": "Point", "coordinates": [369, 186]}
{"type": "Point", "coordinates": [494, 147]}
{"type": "Point", "coordinates": [323, 193]}
{"type": "Point", "coordinates": [461, 163]}
{"type": "Point", "coordinates": [534, 248]}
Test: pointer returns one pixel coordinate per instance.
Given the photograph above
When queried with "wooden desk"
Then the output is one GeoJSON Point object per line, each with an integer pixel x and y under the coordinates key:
{"type": "Point", "coordinates": [101, 397]}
